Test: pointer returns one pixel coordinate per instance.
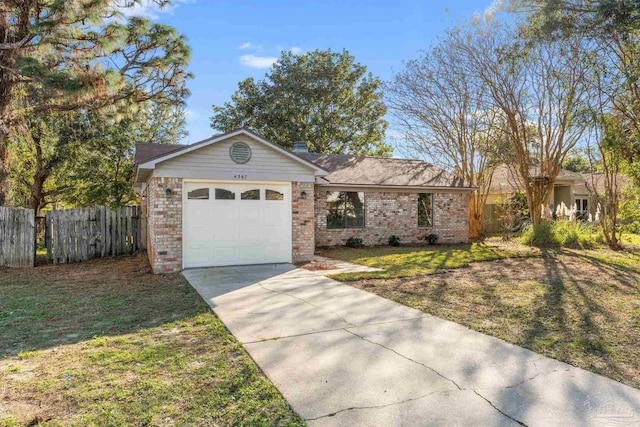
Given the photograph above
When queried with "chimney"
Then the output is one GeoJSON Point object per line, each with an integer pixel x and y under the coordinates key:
{"type": "Point", "coordinates": [300, 147]}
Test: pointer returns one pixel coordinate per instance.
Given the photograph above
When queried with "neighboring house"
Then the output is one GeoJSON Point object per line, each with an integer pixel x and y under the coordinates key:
{"type": "Point", "coordinates": [236, 199]}
{"type": "Point", "coordinates": [570, 188]}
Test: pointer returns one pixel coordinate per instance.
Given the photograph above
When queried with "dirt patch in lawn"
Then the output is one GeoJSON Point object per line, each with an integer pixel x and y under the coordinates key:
{"type": "Point", "coordinates": [317, 266]}
{"type": "Point", "coordinates": [576, 306]}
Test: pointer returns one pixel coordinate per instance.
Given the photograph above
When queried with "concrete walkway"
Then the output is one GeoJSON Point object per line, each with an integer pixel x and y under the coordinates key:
{"type": "Point", "coordinates": [345, 357]}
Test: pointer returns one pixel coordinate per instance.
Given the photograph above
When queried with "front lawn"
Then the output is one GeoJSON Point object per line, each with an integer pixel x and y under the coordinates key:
{"type": "Point", "coordinates": [108, 343]}
{"type": "Point", "coordinates": [578, 306]}
{"type": "Point", "coordinates": [416, 261]}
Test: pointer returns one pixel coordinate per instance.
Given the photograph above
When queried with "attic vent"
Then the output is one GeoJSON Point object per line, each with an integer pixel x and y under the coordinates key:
{"type": "Point", "coordinates": [240, 153]}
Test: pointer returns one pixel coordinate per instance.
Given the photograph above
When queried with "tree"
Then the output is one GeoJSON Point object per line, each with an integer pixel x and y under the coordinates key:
{"type": "Point", "coordinates": [444, 115]}
{"type": "Point", "coordinates": [610, 138]}
{"type": "Point", "coordinates": [577, 162]}
{"type": "Point", "coordinates": [85, 158]}
{"type": "Point", "coordinates": [82, 55]}
{"type": "Point", "coordinates": [323, 98]}
{"type": "Point", "coordinates": [540, 89]}
{"type": "Point", "coordinates": [611, 30]}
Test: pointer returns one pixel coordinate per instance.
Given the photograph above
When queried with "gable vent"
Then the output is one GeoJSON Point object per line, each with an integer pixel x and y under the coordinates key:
{"type": "Point", "coordinates": [240, 153]}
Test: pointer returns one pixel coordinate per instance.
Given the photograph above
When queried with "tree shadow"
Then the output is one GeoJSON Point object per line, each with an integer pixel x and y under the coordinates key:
{"type": "Point", "coordinates": [64, 304]}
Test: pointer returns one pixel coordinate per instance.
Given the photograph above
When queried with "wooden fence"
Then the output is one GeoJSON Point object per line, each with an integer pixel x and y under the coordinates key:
{"type": "Point", "coordinates": [17, 237]}
{"type": "Point", "coordinates": [74, 235]}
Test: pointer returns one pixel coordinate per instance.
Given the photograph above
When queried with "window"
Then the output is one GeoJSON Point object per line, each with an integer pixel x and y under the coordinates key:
{"type": "Point", "coordinates": [345, 209]}
{"type": "Point", "coordinates": [425, 210]}
{"type": "Point", "coordinates": [273, 195]}
{"type": "Point", "coordinates": [222, 194]}
{"type": "Point", "coordinates": [198, 194]}
{"type": "Point", "coordinates": [250, 195]}
{"type": "Point", "coordinates": [582, 208]}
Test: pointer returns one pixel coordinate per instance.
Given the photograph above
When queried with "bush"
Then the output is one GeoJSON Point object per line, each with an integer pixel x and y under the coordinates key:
{"type": "Point", "coordinates": [354, 242]}
{"type": "Point", "coordinates": [569, 234]}
{"type": "Point", "coordinates": [431, 239]}
{"type": "Point", "coordinates": [394, 240]}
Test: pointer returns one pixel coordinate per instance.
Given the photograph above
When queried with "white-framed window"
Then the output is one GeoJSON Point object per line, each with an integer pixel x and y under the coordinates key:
{"type": "Point", "coordinates": [582, 206]}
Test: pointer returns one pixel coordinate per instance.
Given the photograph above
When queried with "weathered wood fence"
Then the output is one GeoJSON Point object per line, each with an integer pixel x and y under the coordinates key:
{"type": "Point", "coordinates": [17, 237]}
{"type": "Point", "coordinates": [74, 235]}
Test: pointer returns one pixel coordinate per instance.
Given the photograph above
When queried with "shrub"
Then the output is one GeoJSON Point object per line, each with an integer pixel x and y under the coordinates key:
{"type": "Point", "coordinates": [354, 242]}
{"type": "Point", "coordinates": [394, 240]}
{"type": "Point", "coordinates": [569, 234]}
{"type": "Point", "coordinates": [431, 239]}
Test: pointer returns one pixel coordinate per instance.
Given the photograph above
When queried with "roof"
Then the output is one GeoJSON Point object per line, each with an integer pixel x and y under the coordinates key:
{"type": "Point", "coordinates": [506, 179]}
{"type": "Point", "coordinates": [342, 169]}
{"type": "Point", "coordinates": [147, 150]}
{"type": "Point", "coordinates": [596, 180]}
{"type": "Point", "coordinates": [150, 154]}
{"type": "Point", "coordinates": [383, 171]}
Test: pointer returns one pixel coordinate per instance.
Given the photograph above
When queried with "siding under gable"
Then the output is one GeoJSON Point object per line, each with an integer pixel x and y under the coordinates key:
{"type": "Point", "coordinates": [213, 162]}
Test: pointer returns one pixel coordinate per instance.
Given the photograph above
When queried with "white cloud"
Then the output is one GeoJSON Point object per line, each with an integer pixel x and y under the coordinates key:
{"type": "Point", "coordinates": [245, 45]}
{"type": "Point", "coordinates": [296, 50]}
{"type": "Point", "coordinates": [257, 61]}
{"type": "Point", "coordinates": [489, 14]}
{"type": "Point", "coordinates": [150, 9]}
{"type": "Point", "coordinates": [192, 114]}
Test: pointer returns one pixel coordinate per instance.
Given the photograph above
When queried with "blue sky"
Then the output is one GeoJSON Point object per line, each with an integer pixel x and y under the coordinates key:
{"type": "Point", "coordinates": [233, 40]}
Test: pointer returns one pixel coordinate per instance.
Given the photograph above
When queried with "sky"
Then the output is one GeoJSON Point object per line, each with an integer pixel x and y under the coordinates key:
{"type": "Point", "coordinates": [233, 40]}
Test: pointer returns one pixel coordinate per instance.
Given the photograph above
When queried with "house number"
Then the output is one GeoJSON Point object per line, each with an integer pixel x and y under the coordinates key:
{"type": "Point", "coordinates": [240, 176]}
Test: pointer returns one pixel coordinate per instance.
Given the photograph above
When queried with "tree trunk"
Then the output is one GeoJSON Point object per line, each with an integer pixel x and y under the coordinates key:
{"type": "Point", "coordinates": [476, 217]}
{"type": "Point", "coordinates": [36, 201]}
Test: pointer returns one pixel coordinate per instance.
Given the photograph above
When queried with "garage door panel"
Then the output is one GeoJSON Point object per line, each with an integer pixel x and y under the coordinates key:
{"type": "Point", "coordinates": [252, 228]}
{"type": "Point", "coordinates": [225, 256]}
{"type": "Point", "coordinates": [222, 233]}
{"type": "Point", "coordinates": [224, 211]}
{"type": "Point", "coordinates": [251, 212]}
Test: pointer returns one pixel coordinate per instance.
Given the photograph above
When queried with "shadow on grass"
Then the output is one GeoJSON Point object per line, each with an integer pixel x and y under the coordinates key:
{"type": "Point", "coordinates": [576, 306]}
{"type": "Point", "coordinates": [63, 304]}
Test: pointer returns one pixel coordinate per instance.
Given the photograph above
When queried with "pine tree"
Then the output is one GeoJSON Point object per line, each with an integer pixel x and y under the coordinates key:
{"type": "Point", "coordinates": [69, 55]}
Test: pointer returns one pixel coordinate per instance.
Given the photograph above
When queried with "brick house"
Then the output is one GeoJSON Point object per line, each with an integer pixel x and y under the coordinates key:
{"type": "Point", "coordinates": [236, 198]}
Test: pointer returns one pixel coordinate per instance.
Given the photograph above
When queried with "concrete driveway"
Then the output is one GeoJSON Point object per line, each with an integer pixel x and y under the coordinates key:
{"type": "Point", "coordinates": [345, 357]}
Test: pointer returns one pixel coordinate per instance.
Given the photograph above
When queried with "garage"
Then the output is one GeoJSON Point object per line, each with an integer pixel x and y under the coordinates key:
{"type": "Point", "coordinates": [229, 223]}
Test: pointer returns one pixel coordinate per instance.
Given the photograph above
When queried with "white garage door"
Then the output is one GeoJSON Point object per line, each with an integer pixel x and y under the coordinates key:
{"type": "Point", "coordinates": [235, 224]}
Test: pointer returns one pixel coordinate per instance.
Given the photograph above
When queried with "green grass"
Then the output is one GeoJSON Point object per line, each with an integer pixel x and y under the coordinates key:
{"type": "Point", "coordinates": [416, 261]}
{"type": "Point", "coordinates": [578, 306]}
{"type": "Point", "coordinates": [568, 234]}
{"type": "Point", "coordinates": [106, 343]}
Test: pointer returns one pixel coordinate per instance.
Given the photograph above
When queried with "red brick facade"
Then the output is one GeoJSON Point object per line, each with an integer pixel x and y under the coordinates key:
{"type": "Point", "coordinates": [302, 218]}
{"type": "Point", "coordinates": [396, 213]}
{"type": "Point", "coordinates": [164, 224]}
{"type": "Point", "coordinates": [386, 213]}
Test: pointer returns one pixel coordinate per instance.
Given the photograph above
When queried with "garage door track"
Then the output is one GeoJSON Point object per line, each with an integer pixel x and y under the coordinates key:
{"type": "Point", "coordinates": [342, 356]}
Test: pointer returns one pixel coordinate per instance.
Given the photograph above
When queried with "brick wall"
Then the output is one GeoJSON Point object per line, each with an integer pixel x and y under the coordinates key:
{"type": "Point", "coordinates": [388, 213]}
{"type": "Point", "coordinates": [303, 224]}
{"type": "Point", "coordinates": [164, 224]}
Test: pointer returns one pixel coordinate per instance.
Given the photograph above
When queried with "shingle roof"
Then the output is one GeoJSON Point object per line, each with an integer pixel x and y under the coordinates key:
{"type": "Point", "coordinates": [591, 181]}
{"type": "Point", "coordinates": [346, 169]}
{"type": "Point", "coordinates": [382, 171]}
{"type": "Point", "coordinates": [148, 150]}
{"type": "Point", "coordinates": [505, 179]}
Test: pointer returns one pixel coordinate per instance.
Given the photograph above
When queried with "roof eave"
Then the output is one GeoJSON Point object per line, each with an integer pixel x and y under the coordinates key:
{"type": "Point", "coordinates": [399, 187]}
